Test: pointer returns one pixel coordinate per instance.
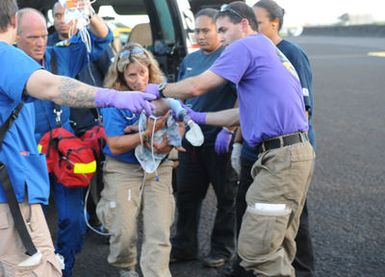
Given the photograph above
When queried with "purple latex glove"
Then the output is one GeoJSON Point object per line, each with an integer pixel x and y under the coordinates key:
{"type": "Point", "coordinates": [197, 117]}
{"type": "Point", "coordinates": [222, 142]}
{"type": "Point", "coordinates": [153, 89]}
{"type": "Point", "coordinates": [134, 101]}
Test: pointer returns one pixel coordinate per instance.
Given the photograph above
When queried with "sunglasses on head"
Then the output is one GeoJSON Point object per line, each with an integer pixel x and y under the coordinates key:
{"type": "Point", "coordinates": [126, 54]}
{"type": "Point", "coordinates": [136, 51]}
{"type": "Point", "coordinates": [227, 8]}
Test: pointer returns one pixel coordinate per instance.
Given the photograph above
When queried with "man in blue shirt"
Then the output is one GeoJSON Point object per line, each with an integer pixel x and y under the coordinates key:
{"type": "Point", "coordinates": [26, 167]}
{"type": "Point", "coordinates": [209, 163]}
{"type": "Point", "coordinates": [66, 59]}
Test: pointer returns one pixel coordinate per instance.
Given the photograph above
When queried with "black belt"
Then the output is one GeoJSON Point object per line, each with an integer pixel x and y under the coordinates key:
{"type": "Point", "coordinates": [281, 141]}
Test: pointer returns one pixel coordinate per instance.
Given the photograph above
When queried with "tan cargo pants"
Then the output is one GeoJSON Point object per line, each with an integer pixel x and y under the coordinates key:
{"type": "Point", "coordinates": [12, 249]}
{"type": "Point", "coordinates": [127, 191]}
{"type": "Point", "coordinates": [275, 201]}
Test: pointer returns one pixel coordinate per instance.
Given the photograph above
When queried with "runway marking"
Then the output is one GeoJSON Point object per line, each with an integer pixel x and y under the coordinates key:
{"type": "Point", "coordinates": [377, 54]}
{"type": "Point", "coordinates": [338, 56]}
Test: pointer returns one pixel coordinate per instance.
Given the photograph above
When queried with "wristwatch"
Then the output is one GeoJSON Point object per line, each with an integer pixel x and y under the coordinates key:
{"type": "Point", "coordinates": [161, 88]}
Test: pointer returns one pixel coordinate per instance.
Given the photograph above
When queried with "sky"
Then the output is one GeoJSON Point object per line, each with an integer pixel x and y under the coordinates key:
{"type": "Point", "coordinates": [318, 12]}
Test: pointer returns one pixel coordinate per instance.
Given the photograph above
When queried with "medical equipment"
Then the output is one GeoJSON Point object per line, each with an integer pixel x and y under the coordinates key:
{"type": "Point", "coordinates": [148, 159]}
{"type": "Point", "coordinates": [78, 13]}
{"type": "Point", "coordinates": [194, 135]}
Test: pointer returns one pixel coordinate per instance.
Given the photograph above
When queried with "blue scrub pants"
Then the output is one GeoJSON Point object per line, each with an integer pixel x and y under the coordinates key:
{"type": "Point", "coordinates": [71, 224]}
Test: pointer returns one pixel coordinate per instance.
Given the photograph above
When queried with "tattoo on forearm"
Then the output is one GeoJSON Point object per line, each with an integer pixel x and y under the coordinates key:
{"type": "Point", "coordinates": [76, 94]}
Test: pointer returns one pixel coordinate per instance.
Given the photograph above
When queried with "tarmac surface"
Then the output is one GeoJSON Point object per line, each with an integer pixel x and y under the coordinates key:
{"type": "Point", "coordinates": [346, 199]}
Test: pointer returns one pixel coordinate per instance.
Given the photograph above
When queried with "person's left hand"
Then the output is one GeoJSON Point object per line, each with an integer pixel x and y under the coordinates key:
{"type": "Point", "coordinates": [197, 117]}
{"type": "Point", "coordinates": [222, 142]}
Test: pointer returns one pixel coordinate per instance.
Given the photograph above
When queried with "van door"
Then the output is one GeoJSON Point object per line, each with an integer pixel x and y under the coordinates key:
{"type": "Point", "coordinates": [171, 24]}
{"type": "Point", "coordinates": [173, 32]}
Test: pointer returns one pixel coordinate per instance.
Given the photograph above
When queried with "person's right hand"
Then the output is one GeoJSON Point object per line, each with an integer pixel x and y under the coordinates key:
{"type": "Point", "coordinates": [153, 89]}
{"type": "Point", "coordinates": [134, 101]}
{"type": "Point", "coordinates": [236, 157]}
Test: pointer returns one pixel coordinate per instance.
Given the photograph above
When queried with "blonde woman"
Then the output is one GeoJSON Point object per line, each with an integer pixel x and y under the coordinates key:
{"type": "Point", "coordinates": [128, 189]}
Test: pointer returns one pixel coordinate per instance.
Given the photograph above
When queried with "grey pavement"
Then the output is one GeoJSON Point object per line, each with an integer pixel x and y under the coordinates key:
{"type": "Point", "coordinates": [346, 199]}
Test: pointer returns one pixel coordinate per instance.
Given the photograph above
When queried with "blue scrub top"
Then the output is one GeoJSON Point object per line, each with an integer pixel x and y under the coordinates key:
{"type": "Point", "coordinates": [114, 122]}
{"type": "Point", "coordinates": [26, 167]}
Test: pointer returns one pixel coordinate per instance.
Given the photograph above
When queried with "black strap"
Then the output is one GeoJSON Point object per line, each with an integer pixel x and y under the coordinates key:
{"type": "Point", "coordinates": [15, 211]}
{"type": "Point", "coordinates": [7, 124]}
{"type": "Point", "coordinates": [10, 193]}
{"type": "Point", "coordinates": [57, 109]}
{"type": "Point", "coordinates": [53, 62]}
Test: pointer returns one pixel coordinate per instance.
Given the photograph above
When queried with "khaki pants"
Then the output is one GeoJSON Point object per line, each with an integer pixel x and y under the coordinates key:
{"type": "Point", "coordinates": [266, 240]}
{"type": "Point", "coordinates": [127, 191]}
{"type": "Point", "coordinates": [12, 249]}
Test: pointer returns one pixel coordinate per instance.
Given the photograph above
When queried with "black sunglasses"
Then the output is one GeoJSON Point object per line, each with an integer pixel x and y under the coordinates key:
{"type": "Point", "coordinates": [227, 8]}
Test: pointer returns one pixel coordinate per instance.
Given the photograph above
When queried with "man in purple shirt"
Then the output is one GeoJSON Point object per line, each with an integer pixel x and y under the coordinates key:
{"type": "Point", "coordinates": [272, 116]}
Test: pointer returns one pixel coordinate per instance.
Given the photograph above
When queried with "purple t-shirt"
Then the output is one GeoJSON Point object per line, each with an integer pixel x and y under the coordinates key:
{"type": "Point", "coordinates": [269, 92]}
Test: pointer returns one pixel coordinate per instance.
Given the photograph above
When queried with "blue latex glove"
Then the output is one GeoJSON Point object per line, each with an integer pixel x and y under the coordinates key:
{"type": "Point", "coordinates": [134, 101]}
{"type": "Point", "coordinates": [222, 142]}
{"type": "Point", "coordinates": [197, 117]}
{"type": "Point", "coordinates": [153, 89]}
